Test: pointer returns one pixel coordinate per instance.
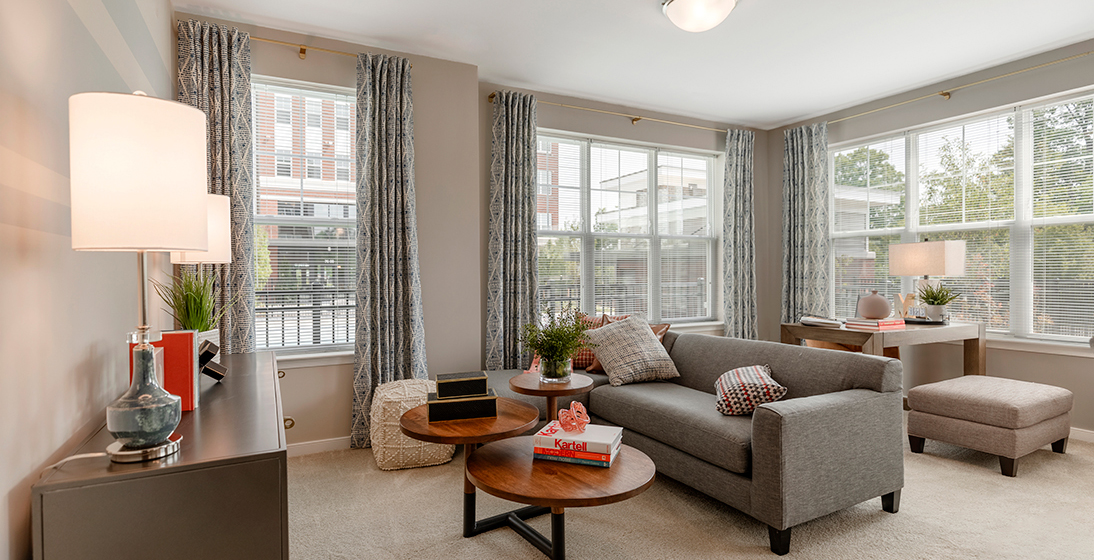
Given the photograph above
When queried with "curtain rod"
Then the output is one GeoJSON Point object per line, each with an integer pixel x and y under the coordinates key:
{"type": "Point", "coordinates": [304, 48]}
{"type": "Point", "coordinates": [946, 93]}
{"type": "Point", "coordinates": [634, 118]}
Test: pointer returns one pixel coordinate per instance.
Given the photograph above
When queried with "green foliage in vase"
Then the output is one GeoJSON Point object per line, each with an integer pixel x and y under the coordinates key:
{"type": "Point", "coordinates": [192, 298]}
{"type": "Point", "coordinates": [929, 295]}
{"type": "Point", "coordinates": [559, 338]}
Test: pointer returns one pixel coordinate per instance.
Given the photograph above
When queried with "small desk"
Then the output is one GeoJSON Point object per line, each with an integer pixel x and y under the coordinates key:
{"type": "Point", "coordinates": [974, 335]}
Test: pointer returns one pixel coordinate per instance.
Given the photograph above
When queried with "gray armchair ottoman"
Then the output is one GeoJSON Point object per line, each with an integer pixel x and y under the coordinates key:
{"type": "Point", "coordinates": [1003, 417]}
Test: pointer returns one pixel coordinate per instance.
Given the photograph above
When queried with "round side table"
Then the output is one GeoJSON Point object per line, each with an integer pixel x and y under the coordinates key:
{"type": "Point", "coordinates": [529, 384]}
{"type": "Point", "coordinates": [514, 418]}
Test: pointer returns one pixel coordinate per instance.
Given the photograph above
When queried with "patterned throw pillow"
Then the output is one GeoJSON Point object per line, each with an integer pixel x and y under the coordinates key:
{"type": "Point", "coordinates": [584, 358]}
{"type": "Point", "coordinates": [631, 352]}
{"type": "Point", "coordinates": [741, 390]}
{"type": "Point", "coordinates": [659, 330]}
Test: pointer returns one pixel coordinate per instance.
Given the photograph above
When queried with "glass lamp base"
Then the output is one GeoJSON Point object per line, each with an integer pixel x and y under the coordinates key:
{"type": "Point", "coordinates": [146, 414]}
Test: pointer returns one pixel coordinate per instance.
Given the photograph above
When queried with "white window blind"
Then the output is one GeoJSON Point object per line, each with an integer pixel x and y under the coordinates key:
{"type": "Point", "coordinates": [305, 215]}
{"type": "Point", "coordinates": [607, 246]}
{"type": "Point", "coordinates": [1017, 186]}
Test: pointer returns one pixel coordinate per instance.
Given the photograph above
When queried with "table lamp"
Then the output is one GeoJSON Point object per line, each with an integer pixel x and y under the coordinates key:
{"type": "Point", "coordinates": [138, 184]}
{"type": "Point", "coordinates": [926, 259]}
{"type": "Point", "coordinates": [219, 235]}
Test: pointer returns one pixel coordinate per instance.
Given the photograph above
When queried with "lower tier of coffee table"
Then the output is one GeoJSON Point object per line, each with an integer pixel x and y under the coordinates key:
{"type": "Point", "coordinates": [507, 470]}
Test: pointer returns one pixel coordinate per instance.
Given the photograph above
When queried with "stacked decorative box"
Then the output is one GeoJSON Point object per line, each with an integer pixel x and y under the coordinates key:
{"type": "Point", "coordinates": [461, 396]}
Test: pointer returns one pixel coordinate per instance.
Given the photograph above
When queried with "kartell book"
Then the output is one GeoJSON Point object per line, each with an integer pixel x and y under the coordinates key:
{"type": "Point", "coordinates": [573, 454]}
{"type": "Point", "coordinates": [578, 461]}
{"type": "Point", "coordinates": [595, 439]}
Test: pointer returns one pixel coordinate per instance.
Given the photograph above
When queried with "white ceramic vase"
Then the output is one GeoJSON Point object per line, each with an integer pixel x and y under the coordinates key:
{"type": "Point", "coordinates": [935, 312]}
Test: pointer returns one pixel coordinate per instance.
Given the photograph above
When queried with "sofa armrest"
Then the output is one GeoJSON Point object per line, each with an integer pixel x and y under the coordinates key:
{"type": "Point", "coordinates": [815, 455]}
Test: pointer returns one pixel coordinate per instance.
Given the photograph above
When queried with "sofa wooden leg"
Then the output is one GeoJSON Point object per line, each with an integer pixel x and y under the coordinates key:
{"type": "Point", "coordinates": [1060, 446]}
{"type": "Point", "coordinates": [1008, 466]}
{"type": "Point", "coordinates": [891, 502]}
{"type": "Point", "coordinates": [780, 540]}
{"type": "Point", "coordinates": [916, 443]}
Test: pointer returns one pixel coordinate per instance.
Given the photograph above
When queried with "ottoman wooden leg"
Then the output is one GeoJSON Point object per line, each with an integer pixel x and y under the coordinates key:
{"type": "Point", "coordinates": [1008, 466]}
{"type": "Point", "coordinates": [916, 443]}
{"type": "Point", "coordinates": [1060, 446]}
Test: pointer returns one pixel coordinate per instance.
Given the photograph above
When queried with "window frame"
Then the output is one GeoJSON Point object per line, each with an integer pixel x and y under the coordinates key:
{"type": "Point", "coordinates": [587, 238]}
{"type": "Point", "coordinates": [1020, 227]}
{"type": "Point", "coordinates": [303, 163]}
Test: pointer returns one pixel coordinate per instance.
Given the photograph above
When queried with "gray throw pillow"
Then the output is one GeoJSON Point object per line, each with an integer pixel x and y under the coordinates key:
{"type": "Point", "coordinates": [631, 353]}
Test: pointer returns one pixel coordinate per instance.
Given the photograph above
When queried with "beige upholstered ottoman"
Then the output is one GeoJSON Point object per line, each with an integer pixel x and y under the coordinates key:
{"type": "Point", "coordinates": [1000, 416]}
{"type": "Point", "coordinates": [391, 448]}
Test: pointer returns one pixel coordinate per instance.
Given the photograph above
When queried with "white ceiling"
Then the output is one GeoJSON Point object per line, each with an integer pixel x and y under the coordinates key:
{"type": "Point", "coordinates": [772, 62]}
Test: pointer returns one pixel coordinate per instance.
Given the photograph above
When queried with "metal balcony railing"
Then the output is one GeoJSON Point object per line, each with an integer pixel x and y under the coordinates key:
{"type": "Point", "coordinates": [307, 317]}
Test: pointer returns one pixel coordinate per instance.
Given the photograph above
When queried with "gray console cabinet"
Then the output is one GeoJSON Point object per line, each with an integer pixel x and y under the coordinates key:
{"type": "Point", "coordinates": [223, 495]}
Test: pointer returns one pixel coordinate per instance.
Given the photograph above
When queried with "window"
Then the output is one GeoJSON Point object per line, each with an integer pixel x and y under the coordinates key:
{"type": "Point", "coordinates": [305, 215]}
{"type": "Point", "coordinates": [1017, 186]}
{"type": "Point", "coordinates": [607, 246]}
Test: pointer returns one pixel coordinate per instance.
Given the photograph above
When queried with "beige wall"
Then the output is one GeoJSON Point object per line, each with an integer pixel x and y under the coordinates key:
{"type": "Point", "coordinates": [65, 314]}
{"type": "Point", "coordinates": [925, 364]}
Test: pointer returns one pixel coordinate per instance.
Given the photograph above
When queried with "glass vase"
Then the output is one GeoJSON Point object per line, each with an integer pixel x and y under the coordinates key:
{"type": "Point", "coordinates": [145, 415]}
{"type": "Point", "coordinates": [555, 371]}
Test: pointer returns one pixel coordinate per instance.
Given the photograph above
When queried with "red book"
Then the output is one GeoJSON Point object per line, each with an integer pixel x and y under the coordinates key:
{"type": "Point", "coordinates": [180, 365]}
{"type": "Point", "coordinates": [572, 454]}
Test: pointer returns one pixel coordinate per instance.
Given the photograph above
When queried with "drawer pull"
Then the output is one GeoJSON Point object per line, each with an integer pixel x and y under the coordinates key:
{"type": "Point", "coordinates": [280, 373]}
{"type": "Point", "coordinates": [289, 422]}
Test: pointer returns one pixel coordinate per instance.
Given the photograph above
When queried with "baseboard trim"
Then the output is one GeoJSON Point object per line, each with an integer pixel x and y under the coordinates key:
{"type": "Point", "coordinates": [321, 445]}
{"type": "Point", "coordinates": [1082, 435]}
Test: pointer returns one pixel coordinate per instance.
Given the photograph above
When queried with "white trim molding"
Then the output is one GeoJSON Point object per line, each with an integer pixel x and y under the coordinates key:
{"type": "Point", "coordinates": [302, 361]}
{"type": "Point", "coordinates": [318, 446]}
{"type": "Point", "coordinates": [1080, 434]}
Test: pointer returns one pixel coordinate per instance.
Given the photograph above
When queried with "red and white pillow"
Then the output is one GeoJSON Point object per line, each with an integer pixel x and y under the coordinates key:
{"type": "Point", "coordinates": [584, 358]}
{"type": "Point", "coordinates": [741, 390]}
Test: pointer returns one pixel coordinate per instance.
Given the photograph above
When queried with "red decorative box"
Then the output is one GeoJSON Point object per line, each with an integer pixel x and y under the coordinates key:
{"type": "Point", "coordinates": [180, 365]}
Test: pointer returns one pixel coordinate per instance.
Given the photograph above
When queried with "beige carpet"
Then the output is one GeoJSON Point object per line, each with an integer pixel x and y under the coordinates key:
{"type": "Point", "coordinates": [955, 504]}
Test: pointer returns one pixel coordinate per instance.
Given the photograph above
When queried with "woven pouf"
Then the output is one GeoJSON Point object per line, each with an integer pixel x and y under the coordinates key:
{"type": "Point", "coordinates": [392, 449]}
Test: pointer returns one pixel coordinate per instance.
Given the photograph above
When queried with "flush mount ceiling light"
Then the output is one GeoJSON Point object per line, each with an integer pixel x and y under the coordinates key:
{"type": "Point", "coordinates": [697, 15]}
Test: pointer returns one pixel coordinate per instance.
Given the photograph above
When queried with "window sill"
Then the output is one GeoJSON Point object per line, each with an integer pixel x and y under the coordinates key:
{"type": "Point", "coordinates": [1054, 348]}
{"type": "Point", "coordinates": [318, 359]}
{"type": "Point", "coordinates": [701, 327]}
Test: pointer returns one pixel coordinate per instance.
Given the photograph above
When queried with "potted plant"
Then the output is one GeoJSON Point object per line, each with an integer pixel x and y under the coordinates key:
{"type": "Point", "coordinates": [934, 299]}
{"type": "Point", "coordinates": [192, 298]}
{"type": "Point", "coordinates": [556, 342]}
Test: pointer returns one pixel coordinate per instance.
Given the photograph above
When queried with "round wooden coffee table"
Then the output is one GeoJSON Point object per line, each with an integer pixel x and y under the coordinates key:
{"type": "Point", "coordinates": [507, 470]}
{"type": "Point", "coordinates": [514, 418]}
{"type": "Point", "coordinates": [529, 384]}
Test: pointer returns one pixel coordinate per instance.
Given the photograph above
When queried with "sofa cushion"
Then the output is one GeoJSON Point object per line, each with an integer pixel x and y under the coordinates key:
{"type": "Point", "coordinates": [583, 358]}
{"type": "Point", "coordinates": [680, 417]}
{"type": "Point", "coordinates": [701, 359]}
{"type": "Point", "coordinates": [631, 353]}
{"type": "Point", "coordinates": [741, 390]}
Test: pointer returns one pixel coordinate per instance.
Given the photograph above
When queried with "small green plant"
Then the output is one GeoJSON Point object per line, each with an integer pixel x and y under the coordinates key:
{"type": "Point", "coordinates": [192, 298]}
{"type": "Point", "coordinates": [930, 295]}
{"type": "Point", "coordinates": [560, 338]}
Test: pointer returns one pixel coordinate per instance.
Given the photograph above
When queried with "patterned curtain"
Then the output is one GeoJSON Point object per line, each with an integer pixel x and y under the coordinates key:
{"type": "Point", "coordinates": [390, 331]}
{"type": "Point", "coordinates": [215, 76]}
{"type": "Point", "coordinates": [511, 299]}
{"type": "Point", "coordinates": [807, 248]}
{"type": "Point", "coordinates": [738, 235]}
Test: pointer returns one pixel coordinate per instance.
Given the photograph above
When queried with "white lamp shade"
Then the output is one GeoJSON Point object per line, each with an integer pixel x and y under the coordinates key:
{"type": "Point", "coordinates": [220, 236]}
{"type": "Point", "coordinates": [928, 258]}
{"type": "Point", "coordinates": [697, 15]}
{"type": "Point", "coordinates": [138, 174]}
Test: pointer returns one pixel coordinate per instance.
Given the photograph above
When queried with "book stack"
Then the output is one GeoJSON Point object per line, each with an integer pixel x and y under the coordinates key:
{"type": "Point", "coordinates": [860, 324]}
{"type": "Point", "coordinates": [597, 446]}
{"type": "Point", "coordinates": [461, 396]}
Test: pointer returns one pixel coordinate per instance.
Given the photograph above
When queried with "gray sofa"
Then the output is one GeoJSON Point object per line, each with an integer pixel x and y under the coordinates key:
{"type": "Point", "coordinates": [833, 441]}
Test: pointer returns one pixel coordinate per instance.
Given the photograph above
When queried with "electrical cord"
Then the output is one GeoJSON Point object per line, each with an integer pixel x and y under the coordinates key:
{"type": "Point", "coordinates": [72, 458]}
